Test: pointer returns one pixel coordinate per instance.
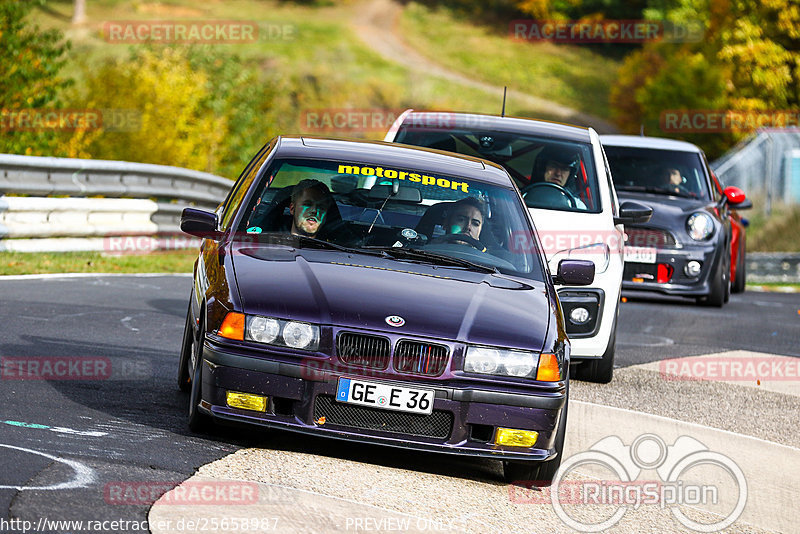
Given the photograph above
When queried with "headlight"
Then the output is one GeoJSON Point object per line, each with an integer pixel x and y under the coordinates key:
{"type": "Point", "coordinates": [482, 360]}
{"type": "Point", "coordinates": [486, 360]}
{"type": "Point", "coordinates": [263, 329]}
{"type": "Point", "coordinates": [272, 331]}
{"type": "Point", "coordinates": [700, 226]}
{"type": "Point", "coordinates": [597, 252]}
{"type": "Point", "coordinates": [299, 335]}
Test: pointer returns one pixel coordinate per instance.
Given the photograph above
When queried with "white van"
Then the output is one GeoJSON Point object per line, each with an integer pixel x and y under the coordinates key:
{"type": "Point", "coordinates": [563, 176]}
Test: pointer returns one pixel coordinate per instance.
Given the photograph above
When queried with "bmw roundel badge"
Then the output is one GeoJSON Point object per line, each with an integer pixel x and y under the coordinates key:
{"type": "Point", "coordinates": [395, 320]}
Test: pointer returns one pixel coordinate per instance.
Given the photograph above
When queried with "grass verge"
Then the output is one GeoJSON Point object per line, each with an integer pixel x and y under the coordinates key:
{"type": "Point", "coordinates": [571, 75]}
{"type": "Point", "coordinates": [15, 263]}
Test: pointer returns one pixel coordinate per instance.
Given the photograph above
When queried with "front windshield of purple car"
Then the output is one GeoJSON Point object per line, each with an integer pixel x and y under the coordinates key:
{"type": "Point", "coordinates": [372, 208]}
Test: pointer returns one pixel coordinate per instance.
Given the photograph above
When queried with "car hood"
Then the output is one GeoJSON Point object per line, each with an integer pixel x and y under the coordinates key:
{"type": "Point", "coordinates": [668, 211]}
{"type": "Point", "coordinates": [360, 291]}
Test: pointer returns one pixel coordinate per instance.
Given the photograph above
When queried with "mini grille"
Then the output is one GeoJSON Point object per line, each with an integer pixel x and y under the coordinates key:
{"type": "Point", "coordinates": [364, 351]}
{"type": "Point", "coordinates": [420, 358]}
{"type": "Point", "coordinates": [436, 425]}
{"type": "Point", "coordinates": [646, 237]}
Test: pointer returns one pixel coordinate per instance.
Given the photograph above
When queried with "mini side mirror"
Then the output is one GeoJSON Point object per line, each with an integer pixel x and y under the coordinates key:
{"type": "Point", "coordinates": [574, 273]}
{"type": "Point", "coordinates": [736, 198]}
{"type": "Point", "coordinates": [199, 223]}
{"type": "Point", "coordinates": [633, 213]}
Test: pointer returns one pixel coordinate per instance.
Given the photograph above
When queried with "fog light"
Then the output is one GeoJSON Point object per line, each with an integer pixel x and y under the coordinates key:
{"type": "Point", "coordinates": [692, 269]}
{"type": "Point", "coordinates": [246, 401]}
{"type": "Point", "coordinates": [579, 315]}
{"type": "Point", "coordinates": [512, 437]}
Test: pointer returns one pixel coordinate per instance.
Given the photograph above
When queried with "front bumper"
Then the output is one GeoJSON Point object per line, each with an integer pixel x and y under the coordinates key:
{"type": "Point", "coordinates": [679, 282]}
{"type": "Point", "coordinates": [301, 400]}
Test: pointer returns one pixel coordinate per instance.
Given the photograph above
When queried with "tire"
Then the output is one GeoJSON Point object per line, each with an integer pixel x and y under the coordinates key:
{"type": "Point", "coordinates": [541, 474]}
{"type": "Point", "coordinates": [721, 287]}
{"type": "Point", "coordinates": [741, 273]}
{"type": "Point", "coordinates": [184, 361]}
{"type": "Point", "coordinates": [198, 421]}
{"type": "Point", "coordinates": [600, 371]}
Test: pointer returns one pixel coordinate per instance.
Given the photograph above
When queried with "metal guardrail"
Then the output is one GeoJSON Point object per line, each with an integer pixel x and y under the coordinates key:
{"type": "Point", "coordinates": [33, 223]}
{"type": "Point", "coordinates": [773, 267]}
{"type": "Point", "coordinates": [31, 175]}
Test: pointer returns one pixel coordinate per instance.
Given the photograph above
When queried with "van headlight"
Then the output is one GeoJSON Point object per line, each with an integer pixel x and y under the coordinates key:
{"type": "Point", "coordinates": [700, 226]}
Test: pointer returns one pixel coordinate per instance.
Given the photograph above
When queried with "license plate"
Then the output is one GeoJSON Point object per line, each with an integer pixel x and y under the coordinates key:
{"type": "Point", "coordinates": [386, 396]}
{"type": "Point", "coordinates": [640, 254]}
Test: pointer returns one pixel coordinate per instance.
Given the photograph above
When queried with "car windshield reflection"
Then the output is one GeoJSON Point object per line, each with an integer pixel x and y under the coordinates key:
{"type": "Point", "coordinates": [402, 214]}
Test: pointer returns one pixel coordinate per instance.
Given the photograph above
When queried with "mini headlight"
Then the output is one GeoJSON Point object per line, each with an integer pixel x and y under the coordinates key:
{"type": "Point", "coordinates": [481, 360]}
{"type": "Point", "coordinates": [699, 226]}
{"type": "Point", "coordinates": [262, 329]}
{"type": "Point", "coordinates": [300, 335]}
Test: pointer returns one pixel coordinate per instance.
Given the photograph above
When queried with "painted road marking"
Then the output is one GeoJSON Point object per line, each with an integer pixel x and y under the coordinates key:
{"type": "Point", "coordinates": [59, 429]}
{"type": "Point", "coordinates": [84, 476]}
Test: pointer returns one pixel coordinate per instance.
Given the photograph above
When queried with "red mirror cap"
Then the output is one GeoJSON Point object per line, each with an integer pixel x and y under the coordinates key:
{"type": "Point", "coordinates": [734, 194]}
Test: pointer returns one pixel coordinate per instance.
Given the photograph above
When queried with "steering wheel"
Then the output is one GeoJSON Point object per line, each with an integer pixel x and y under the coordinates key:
{"type": "Point", "coordinates": [463, 238]}
{"type": "Point", "coordinates": [570, 198]}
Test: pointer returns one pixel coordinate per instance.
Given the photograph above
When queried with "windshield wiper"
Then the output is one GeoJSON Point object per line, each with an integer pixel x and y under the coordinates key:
{"type": "Point", "coordinates": [432, 257]}
{"type": "Point", "coordinates": [310, 242]}
{"type": "Point", "coordinates": [306, 240]}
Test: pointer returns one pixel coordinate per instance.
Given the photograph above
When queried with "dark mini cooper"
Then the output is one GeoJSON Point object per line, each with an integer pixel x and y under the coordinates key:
{"type": "Point", "coordinates": [383, 294]}
{"type": "Point", "coordinates": [694, 244]}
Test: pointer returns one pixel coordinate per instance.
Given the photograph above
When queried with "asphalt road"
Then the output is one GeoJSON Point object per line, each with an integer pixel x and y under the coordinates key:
{"type": "Point", "coordinates": [84, 449]}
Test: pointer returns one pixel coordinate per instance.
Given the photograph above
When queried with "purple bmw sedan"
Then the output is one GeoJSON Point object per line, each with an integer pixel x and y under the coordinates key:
{"type": "Point", "coordinates": [380, 293]}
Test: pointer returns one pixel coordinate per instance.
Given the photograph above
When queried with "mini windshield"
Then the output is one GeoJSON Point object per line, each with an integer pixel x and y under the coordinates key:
{"type": "Point", "coordinates": [399, 213]}
{"type": "Point", "coordinates": [551, 174]}
{"type": "Point", "coordinates": [663, 172]}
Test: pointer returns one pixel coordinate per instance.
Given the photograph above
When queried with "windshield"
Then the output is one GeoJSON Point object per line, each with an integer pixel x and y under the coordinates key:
{"type": "Point", "coordinates": [403, 214]}
{"type": "Point", "coordinates": [551, 174]}
{"type": "Point", "coordinates": [664, 172]}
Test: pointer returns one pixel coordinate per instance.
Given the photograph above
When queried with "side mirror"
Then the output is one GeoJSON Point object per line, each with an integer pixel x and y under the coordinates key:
{"type": "Point", "coordinates": [199, 223]}
{"type": "Point", "coordinates": [736, 198]}
{"type": "Point", "coordinates": [633, 213]}
{"type": "Point", "coordinates": [574, 273]}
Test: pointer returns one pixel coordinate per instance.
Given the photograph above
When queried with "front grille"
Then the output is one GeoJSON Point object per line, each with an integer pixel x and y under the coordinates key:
{"type": "Point", "coordinates": [648, 237]}
{"type": "Point", "coordinates": [363, 350]}
{"type": "Point", "coordinates": [436, 425]}
{"type": "Point", "coordinates": [420, 358]}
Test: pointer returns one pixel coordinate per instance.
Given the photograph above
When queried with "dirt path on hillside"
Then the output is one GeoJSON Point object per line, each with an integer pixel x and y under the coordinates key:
{"type": "Point", "coordinates": [376, 24]}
